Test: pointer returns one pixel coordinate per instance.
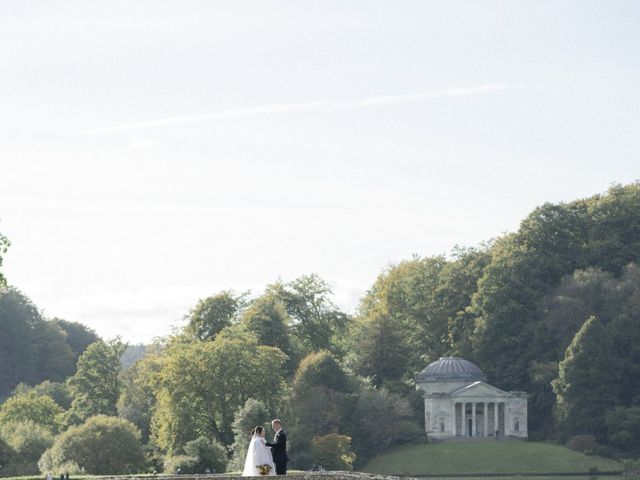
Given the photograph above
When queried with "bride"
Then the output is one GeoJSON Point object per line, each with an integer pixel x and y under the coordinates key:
{"type": "Point", "coordinates": [259, 459]}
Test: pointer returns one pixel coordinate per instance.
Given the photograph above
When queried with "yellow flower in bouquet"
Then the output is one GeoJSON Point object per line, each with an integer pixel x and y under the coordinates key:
{"type": "Point", "coordinates": [264, 469]}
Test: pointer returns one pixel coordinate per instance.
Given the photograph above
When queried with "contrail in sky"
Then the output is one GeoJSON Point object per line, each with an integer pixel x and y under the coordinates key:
{"type": "Point", "coordinates": [317, 106]}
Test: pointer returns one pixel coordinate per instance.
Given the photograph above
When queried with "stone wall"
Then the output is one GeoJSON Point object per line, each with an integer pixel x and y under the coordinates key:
{"type": "Point", "coordinates": [291, 476]}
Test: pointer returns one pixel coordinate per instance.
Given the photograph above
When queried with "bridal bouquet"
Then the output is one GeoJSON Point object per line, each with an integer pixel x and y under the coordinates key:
{"type": "Point", "coordinates": [264, 469]}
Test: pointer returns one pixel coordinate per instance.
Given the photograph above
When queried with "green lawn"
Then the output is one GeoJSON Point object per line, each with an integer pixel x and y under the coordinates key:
{"type": "Point", "coordinates": [485, 457]}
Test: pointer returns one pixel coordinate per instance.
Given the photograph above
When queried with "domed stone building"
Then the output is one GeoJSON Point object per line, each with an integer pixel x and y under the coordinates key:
{"type": "Point", "coordinates": [459, 403]}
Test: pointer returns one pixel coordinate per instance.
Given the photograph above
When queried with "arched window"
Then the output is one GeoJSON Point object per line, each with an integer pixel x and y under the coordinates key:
{"type": "Point", "coordinates": [442, 426]}
{"type": "Point", "coordinates": [516, 425]}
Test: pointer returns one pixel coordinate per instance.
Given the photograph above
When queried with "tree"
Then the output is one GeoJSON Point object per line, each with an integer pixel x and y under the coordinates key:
{"type": "Point", "coordinates": [31, 349]}
{"type": "Point", "coordinates": [201, 455]}
{"type": "Point", "coordinates": [252, 414]}
{"type": "Point", "coordinates": [623, 427]}
{"type": "Point", "coordinates": [266, 317]}
{"type": "Point", "coordinates": [202, 384]}
{"type": "Point", "coordinates": [139, 384]}
{"type": "Point", "coordinates": [209, 454]}
{"type": "Point", "coordinates": [319, 403]}
{"type": "Point", "coordinates": [587, 385]}
{"type": "Point", "coordinates": [333, 452]}
{"type": "Point", "coordinates": [316, 320]}
{"type": "Point", "coordinates": [614, 233]}
{"type": "Point", "coordinates": [95, 387]}
{"type": "Point", "coordinates": [28, 441]}
{"type": "Point", "coordinates": [407, 293]}
{"type": "Point", "coordinates": [56, 390]}
{"type": "Point", "coordinates": [321, 369]}
{"type": "Point", "coordinates": [54, 359]}
{"type": "Point", "coordinates": [212, 314]}
{"type": "Point", "coordinates": [457, 283]}
{"type": "Point", "coordinates": [4, 245]}
{"type": "Point", "coordinates": [379, 349]}
{"type": "Point", "coordinates": [369, 434]}
{"type": "Point", "coordinates": [5, 453]}
{"type": "Point", "coordinates": [133, 353]}
{"type": "Point", "coordinates": [78, 336]}
{"type": "Point", "coordinates": [101, 446]}
{"type": "Point", "coordinates": [31, 407]}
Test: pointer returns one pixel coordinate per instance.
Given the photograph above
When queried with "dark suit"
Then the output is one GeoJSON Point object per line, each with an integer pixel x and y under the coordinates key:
{"type": "Point", "coordinates": [279, 452]}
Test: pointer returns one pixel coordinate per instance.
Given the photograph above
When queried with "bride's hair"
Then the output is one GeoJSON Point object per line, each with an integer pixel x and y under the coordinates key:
{"type": "Point", "coordinates": [257, 431]}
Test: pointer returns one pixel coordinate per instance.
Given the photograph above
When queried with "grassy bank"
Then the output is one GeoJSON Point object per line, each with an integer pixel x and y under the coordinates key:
{"type": "Point", "coordinates": [485, 458]}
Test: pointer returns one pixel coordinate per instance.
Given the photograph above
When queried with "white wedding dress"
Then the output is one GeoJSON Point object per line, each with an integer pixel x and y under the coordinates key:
{"type": "Point", "coordinates": [258, 454]}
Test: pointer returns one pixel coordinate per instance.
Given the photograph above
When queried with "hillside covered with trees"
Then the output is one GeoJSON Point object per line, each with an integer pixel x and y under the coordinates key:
{"type": "Point", "coordinates": [552, 309]}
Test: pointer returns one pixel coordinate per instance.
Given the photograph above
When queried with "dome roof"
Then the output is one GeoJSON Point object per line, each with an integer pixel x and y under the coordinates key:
{"type": "Point", "coordinates": [451, 368]}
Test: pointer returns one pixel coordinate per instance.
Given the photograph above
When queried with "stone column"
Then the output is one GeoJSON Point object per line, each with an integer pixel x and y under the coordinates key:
{"type": "Point", "coordinates": [507, 419]}
{"type": "Point", "coordinates": [473, 419]}
{"type": "Point", "coordinates": [463, 414]}
{"type": "Point", "coordinates": [495, 417]}
{"type": "Point", "coordinates": [453, 420]}
{"type": "Point", "coordinates": [485, 417]}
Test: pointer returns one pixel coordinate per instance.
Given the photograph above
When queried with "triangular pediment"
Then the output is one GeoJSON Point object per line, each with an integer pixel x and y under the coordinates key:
{"type": "Point", "coordinates": [479, 389]}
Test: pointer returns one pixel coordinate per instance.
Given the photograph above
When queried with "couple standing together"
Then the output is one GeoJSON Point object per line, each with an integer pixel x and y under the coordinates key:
{"type": "Point", "coordinates": [267, 458]}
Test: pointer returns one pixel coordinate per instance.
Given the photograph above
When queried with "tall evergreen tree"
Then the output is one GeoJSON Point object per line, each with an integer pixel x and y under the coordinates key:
{"type": "Point", "coordinates": [588, 383]}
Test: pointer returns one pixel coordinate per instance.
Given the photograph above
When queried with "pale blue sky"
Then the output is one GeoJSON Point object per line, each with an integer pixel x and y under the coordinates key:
{"type": "Point", "coordinates": [152, 153]}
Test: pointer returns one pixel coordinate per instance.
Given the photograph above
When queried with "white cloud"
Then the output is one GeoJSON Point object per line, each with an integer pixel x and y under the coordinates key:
{"type": "Point", "coordinates": [150, 312]}
{"type": "Point", "coordinates": [316, 106]}
{"type": "Point", "coordinates": [136, 316]}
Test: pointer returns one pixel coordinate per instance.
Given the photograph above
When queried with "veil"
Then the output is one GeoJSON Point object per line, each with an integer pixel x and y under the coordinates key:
{"type": "Point", "coordinates": [257, 454]}
{"type": "Point", "coordinates": [248, 463]}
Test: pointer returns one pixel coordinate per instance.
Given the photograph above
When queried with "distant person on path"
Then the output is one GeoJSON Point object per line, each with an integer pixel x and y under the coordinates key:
{"type": "Point", "coordinates": [279, 447]}
{"type": "Point", "coordinates": [62, 476]}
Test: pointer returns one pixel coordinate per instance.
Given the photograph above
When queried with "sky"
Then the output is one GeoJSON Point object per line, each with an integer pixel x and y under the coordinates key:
{"type": "Point", "coordinates": [156, 152]}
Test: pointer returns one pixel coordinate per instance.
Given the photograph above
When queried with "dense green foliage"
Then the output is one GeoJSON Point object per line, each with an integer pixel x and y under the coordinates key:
{"type": "Point", "coordinates": [101, 445]}
{"type": "Point", "coordinates": [202, 385]}
{"type": "Point", "coordinates": [31, 348]}
{"type": "Point", "coordinates": [333, 452]}
{"type": "Point", "coordinates": [95, 387]}
{"type": "Point", "coordinates": [514, 306]}
{"type": "Point", "coordinates": [31, 407]}
{"type": "Point", "coordinates": [78, 336]}
{"type": "Point", "coordinates": [138, 387]}
{"type": "Point", "coordinates": [552, 308]}
{"type": "Point", "coordinates": [27, 442]}
{"type": "Point", "coordinates": [213, 314]}
{"type": "Point", "coordinates": [201, 455]}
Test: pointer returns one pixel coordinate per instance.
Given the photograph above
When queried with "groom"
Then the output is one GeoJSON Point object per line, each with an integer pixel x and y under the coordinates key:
{"type": "Point", "coordinates": [279, 447]}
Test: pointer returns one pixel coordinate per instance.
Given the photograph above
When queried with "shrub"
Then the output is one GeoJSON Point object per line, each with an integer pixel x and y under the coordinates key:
{"type": "Point", "coordinates": [582, 443]}
{"type": "Point", "coordinates": [631, 466]}
{"type": "Point", "coordinates": [369, 435]}
{"type": "Point", "coordinates": [623, 428]}
{"type": "Point", "coordinates": [209, 454]}
{"type": "Point", "coordinates": [181, 464]}
{"type": "Point", "coordinates": [602, 451]}
{"type": "Point", "coordinates": [101, 446]}
{"type": "Point", "coordinates": [27, 439]}
{"type": "Point", "coordinates": [333, 452]}
{"type": "Point", "coordinates": [31, 407]}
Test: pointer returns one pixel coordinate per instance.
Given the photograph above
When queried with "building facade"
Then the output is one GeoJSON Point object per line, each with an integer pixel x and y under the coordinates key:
{"type": "Point", "coordinates": [459, 403]}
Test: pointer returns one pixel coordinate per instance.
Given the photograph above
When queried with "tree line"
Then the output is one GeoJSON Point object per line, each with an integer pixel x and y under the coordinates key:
{"type": "Point", "coordinates": [551, 309]}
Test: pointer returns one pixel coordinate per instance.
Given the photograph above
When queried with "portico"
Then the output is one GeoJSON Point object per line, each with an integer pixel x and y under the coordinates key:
{"type": "Point", "coordinates": [459, 403]}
